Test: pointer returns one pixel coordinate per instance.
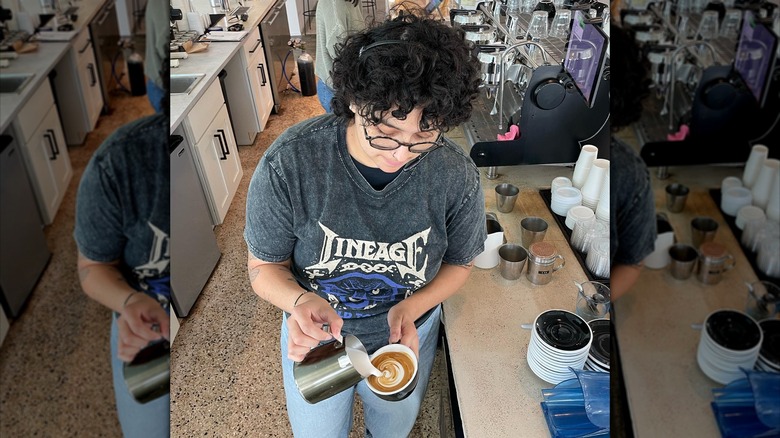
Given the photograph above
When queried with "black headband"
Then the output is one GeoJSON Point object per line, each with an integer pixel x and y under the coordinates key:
{"type": "Point", "coordinates": [379, 43]}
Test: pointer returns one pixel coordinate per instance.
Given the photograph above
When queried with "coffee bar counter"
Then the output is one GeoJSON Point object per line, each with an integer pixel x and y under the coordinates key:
{"type": "Point", "coordinates": [667, 392]}
{"type": "Point", "coordinates": [497, 393]}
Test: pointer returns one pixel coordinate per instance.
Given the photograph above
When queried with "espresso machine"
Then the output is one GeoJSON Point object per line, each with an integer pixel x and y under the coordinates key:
{"type": "Point", "coordinates": [554, 92]}
{"type": "Point", "coordinates": [715, 80]}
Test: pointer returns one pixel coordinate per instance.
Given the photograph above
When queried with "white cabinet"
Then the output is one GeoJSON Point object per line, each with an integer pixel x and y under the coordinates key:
{"type": "Point", "coordinates": [260, 82]}
{"type": "Point", "coordinates": [216, 154]}
{"type": "Point", "coordinates": [78, 89]}
{"type": "Point", "coordinates": [89, 78]}
{"type": "Point", "coordinates": [249, 89]}
{"type": "Point", "coordinates": [220, 165]}
{"type": "Point", "coordinates": [45, 152]}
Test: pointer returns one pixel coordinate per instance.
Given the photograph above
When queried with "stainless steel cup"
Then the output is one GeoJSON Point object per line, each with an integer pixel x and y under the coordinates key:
{"type": "Point", "coordinates": [542, 257]}
{"type": "Point", "coordinates": [703, 229]}
{"type": "Point", "coordinates": [676, 194]}
{"type": "Point", "coordinates": [532, 230]}
{"type": "Point", "coordinates": [683, 260]}
{"type": "Point", "coordinates": [506, 194]}
{"type": "Point", "coordinates": [713, 262]}
{"type": "Point", "coordinates": [148, 375]}
{"type": "Point", "coordinates": [512, 258]}
{"type": "Point", "coordinates": [330, 368]}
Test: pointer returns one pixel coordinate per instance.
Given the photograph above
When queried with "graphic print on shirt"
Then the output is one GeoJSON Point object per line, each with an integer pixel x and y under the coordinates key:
{"type": "Point", "coordinates": [153, 276]}
{"type": "Point", "coordinates": [357, 275]}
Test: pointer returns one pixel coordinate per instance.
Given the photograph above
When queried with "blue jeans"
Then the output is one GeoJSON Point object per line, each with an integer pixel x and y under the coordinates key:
{"type": "Point", "coordinates": [149, 420]}
{"type": "Point", "coordinates": [333, 417]}
{"type": "Point", "coordinates": [155, 95]}
{"type": "Point", "coordinates": [325, 95]}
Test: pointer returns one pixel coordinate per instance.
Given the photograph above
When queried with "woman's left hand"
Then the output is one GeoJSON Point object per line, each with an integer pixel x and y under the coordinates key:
{"type": "Point", "coordinates": [401, 319]}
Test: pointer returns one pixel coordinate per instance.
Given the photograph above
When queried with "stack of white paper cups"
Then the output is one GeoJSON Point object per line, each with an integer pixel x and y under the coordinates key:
{"type": "Point", "coordinates": [602, 209]}
{"type": "Point", "coordinates": [773, 207]}
{"type": "Point", "coordinates": [763, 185]}
{"type": "Point", "coordinates": [588, 154]}
{"type": "Point", "coordinates": [753, 165]}
{"type": "Point", "coordinates": [592, 188]}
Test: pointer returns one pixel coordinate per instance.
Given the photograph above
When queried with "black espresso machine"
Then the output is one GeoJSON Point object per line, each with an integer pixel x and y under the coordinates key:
{"type": "Point", "coordinates": [555, 89]}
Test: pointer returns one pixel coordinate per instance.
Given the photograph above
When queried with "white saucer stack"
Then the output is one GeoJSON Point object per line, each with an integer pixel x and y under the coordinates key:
{"type": "Point", "coordinates": [769, 355]}
{"type": "Point", "coordinates": [730, 340]}
{"type": "Point", "coordinates": [598, 356]}
{"type": "Point", "coordinates": [559, 340]}
{"type": "Point", "coordinates": [564, 198]}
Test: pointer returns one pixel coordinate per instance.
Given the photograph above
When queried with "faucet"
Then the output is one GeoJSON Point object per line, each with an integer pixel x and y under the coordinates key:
{"type": "Point", "coordinates": [672, 81]}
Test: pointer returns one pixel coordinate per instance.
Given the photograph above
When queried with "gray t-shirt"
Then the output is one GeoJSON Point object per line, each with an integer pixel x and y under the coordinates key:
{"type": "Point", "coordinates": [362, 250]}
{"type": "Point", "coordinates": [123, 205]}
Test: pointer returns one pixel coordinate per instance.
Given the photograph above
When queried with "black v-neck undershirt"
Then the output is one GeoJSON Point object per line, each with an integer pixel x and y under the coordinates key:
{"type": "Point", "coordinates": [375, 176]}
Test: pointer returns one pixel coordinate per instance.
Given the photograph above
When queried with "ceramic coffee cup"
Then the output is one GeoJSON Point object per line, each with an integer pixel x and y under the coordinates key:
{"type": "Point", "coordinates": [398, 364]}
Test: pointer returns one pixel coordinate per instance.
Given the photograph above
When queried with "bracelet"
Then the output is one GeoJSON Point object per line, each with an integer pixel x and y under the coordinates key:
{"type": "Point", "coordinates": [128, 299]}
{"type": "Point", "coordinates": [299, 297]}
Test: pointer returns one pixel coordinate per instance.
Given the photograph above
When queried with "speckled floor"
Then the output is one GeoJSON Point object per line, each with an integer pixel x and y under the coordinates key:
{"type": "Point", "coordinates": [55, 371]}
{"type": "Point", "coordinates": [226, 375]}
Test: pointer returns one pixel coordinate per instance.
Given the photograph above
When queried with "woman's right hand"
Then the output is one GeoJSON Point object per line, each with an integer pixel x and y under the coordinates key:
{"type": "Point", "coordinates": [305, 323]}
{"type": "Point", "coordinates": [135, 323]}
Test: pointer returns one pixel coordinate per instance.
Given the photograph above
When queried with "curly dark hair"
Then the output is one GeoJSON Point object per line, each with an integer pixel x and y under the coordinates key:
{"type": "Point", "coordinates": [402, 64]}
{"type": "Point", "coordinates": [629, 81]}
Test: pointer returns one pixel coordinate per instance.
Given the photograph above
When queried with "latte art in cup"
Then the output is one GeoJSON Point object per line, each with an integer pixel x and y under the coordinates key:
{"type": "Point", "coordinates": [397, 369]}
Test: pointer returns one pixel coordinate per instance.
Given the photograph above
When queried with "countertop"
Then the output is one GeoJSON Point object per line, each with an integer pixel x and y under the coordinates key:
{"type": "Point", "coordinates": [668, 394]}
{"type": "Point", "coordinates": [210, 63]}
{"type": "Point", "coordinates": [498, 394]}
{"type": "Point", "coordinates": [41, 62]}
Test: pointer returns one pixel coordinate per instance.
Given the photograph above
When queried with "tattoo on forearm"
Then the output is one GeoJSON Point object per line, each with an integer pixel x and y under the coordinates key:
{"type": "Point", "coordinates": [253, 273]}
{"type": "Point", "coordinates": [83, 272]}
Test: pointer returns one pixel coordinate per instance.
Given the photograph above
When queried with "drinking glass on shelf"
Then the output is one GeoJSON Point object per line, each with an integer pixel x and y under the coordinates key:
{"type": "Point", "coordinates": [537, 29]}
{"type": "Point", "coordinates": [513, 7]}
{"type": "Point", "coordinates": [560, 24]}
{"type": "Point", "coordinates": [527, 6]}
{"type": "Point", "coordinates": [708, 27]}
{"type": "Point", "coordinates": [731, 20]}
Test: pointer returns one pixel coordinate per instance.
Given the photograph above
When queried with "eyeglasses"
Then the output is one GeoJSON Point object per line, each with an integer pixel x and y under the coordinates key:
{"type": "Point", "coordinates": [385, 143]}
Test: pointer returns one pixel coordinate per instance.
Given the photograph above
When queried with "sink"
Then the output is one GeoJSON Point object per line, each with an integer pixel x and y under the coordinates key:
{"type": "Point", "coordinates": [14, 82]}
{"type": "Point", "coordinates": [184, 83]}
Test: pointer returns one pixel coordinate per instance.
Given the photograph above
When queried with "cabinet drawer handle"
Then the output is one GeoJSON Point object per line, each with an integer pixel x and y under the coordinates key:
{"type": "Point", "coordinates": [56, 145]}
{"type": "Point", "coordinates": [262, 73]}
{"type": "Point", "coordinates": [221, 148]}
{"type": "Point", "coordinates": [106, 13]}
{"type": "Point", "coordinates": [86, 46]}
{"type": "Point", "coordinates": [53, 155]}
{"type": "Point", "coordinates": [256, 45]}
{"type": "Point", "coordinates": [227, 145]}
{"type": "Point", "coordinates": [91, 68]}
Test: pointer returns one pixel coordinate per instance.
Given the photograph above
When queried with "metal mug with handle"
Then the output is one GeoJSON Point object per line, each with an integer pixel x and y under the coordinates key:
{"type": "Point", "coordinates": [713, 262]}
{"type": "Point", "coordinates": [541, 263]}
{"type": "Point", "coordinates": [148, 375]}
{"type": "Point", "coordinates": [331, 368]}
